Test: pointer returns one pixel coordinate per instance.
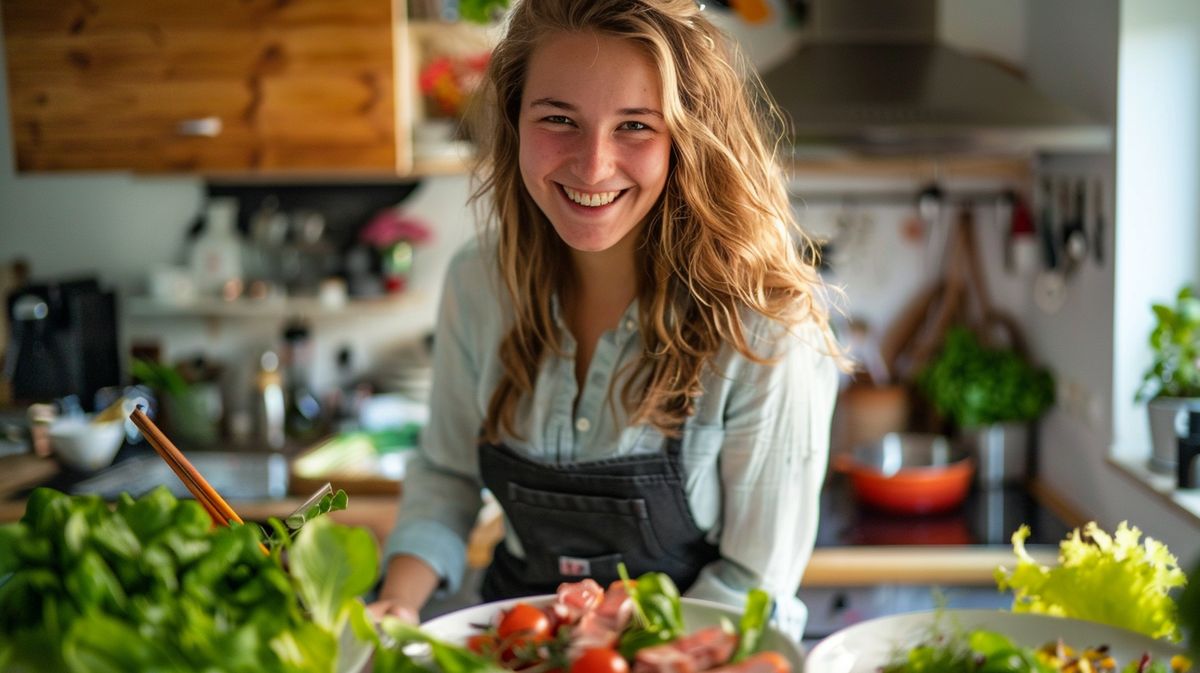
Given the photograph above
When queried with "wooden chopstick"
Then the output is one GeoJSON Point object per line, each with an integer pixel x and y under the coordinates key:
{"type": "Point", "coordinates": [187, 473]}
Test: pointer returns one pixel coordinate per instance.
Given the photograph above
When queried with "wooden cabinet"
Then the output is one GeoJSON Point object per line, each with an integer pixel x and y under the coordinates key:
{"type": "Point", "coordinates": [209, 87]}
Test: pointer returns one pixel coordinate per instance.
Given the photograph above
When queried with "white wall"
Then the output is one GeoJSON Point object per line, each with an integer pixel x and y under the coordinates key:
{"type": "Point", "coordinates": [1073, 50]}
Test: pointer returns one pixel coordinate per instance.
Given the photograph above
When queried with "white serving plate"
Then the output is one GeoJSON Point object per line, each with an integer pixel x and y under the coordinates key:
{"type": "Point", "coordinates": [457, 626]}
{"type": "Point", "coordinates": [864, 647]}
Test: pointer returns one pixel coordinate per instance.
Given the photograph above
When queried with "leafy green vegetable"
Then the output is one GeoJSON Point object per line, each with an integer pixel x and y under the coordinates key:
{"type": "Point", "coordinates": [974, 385]}
{"type": "Point", "coordinates": [151, 585]}
{"type": "Point", "coordinates": [1189, 611]}
{"type": "Point", "coordinates": [658, 612]}
{"type": "Point", "coordinates": [330, 502]}
{"type": "Point", "coordinates": [146, 585]}
{"type": "Point", "coordinates": [1110, 579]}
{"type": "Point", "coordinates": [449, 658]}
{"type": "Point", "coordinates": [753, 623]}
{"type": "Point", "coordinates": [332, 566]}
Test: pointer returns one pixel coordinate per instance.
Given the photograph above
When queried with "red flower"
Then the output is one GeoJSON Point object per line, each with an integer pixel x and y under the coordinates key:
{"type": "Point", "coordinates": [390, 226]}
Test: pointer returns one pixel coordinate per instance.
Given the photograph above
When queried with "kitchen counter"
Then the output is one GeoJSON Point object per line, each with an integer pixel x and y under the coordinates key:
{"type": "Point", "coordinates": [856, 545]}
{"type": "Point", "coordinates": [860, 546]}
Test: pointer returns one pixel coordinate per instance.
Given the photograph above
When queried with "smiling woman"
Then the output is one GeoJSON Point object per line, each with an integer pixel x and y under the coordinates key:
{"type": "Point", "coordinates": [594, 158]}
{"type": "Point", "coordinates": [635, 360]}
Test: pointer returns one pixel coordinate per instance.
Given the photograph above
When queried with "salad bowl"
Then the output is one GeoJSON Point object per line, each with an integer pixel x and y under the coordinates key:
{"type": "Point", "coordinates": [456, 627]}
{"type": "Point", "coordinates": [868, 645]}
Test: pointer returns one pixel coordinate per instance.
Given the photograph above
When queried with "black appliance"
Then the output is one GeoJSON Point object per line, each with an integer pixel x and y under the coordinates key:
{"type": "Point", "coordinates": [62, 341]}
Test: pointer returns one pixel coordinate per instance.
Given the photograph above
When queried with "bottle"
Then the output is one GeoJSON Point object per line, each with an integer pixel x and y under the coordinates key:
{"type": "Point", "coordinates": [216, 256]}
{"type": "Point", "coordinates": [303, 417]}
{"type": "Point", "coordinates": [347, 398]}
{"type": "Point", "coordinates": [270, 402]}
{"type": "Point", "coordinates": [1188, 460]}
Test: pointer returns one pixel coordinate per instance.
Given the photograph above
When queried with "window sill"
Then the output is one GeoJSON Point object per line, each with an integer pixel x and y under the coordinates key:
{"type": "Point", "coordinates": [1162, 486]}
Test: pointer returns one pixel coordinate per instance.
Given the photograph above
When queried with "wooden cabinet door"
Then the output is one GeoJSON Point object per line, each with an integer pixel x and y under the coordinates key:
{"type": "Point", "coordinates": [211, 86]}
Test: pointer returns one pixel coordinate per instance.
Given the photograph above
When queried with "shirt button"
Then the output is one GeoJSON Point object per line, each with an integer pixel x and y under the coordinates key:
{"type": "Point", "coordinates": [583, 425]}
{"type": "Point", "coordinates": [630, 325]}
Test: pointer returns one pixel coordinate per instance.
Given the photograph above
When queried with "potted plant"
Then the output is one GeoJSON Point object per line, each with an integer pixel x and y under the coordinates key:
{"type": "Point", "coordinates": [990, 396]}
{"type": "Point", "coordinates": [188, 398]}
{"type": "Point", "coordinates": [1171, 384]}
{"type": "Point", "coordinates": [395, 236]}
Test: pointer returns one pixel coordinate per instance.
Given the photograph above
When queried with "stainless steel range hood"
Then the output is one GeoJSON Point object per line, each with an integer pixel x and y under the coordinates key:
{"type": "Point", "coordinates": [871, 77]}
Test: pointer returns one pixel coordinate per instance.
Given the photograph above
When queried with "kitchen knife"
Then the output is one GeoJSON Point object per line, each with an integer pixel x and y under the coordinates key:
{"type": "Point", "coordinates": [1075, 243]}
{"type": "Point", "coordinates": [1046, 226]}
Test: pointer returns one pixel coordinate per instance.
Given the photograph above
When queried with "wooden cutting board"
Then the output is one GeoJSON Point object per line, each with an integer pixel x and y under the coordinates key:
{"type": "Point", "coordinates": [23, 471]}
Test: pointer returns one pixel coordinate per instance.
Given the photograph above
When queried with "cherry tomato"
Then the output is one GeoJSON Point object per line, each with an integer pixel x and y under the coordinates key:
{"type": "Point", "coordinates": [526, 623]}
{"type": "Point", "coordinates": [600, 660]}
{"type": "Point", "coordinates": [482, 643]}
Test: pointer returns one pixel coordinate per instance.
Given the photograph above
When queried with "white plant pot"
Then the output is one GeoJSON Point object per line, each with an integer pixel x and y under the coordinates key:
{"type": "Point", "coordinates": [1168, 420]}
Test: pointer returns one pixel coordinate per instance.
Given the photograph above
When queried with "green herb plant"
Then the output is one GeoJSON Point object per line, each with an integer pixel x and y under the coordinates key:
{"type": "Point", "coordinates": [1118, 580]}
{"type": "Point", "coordinates": [973, 385]}
{"type": "Point", "coordinates": [159, 377]}
{"type": "Point", "coordinates": [481, 11]}
{"type": "Point", "coordinates": [1174, 369]}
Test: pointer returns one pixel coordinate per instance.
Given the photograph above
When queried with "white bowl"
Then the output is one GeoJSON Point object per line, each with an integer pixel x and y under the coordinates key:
{"type": "Point", "coordinates": [869, 645]}
{"type": "Point", "coordinates": [456, 627]}
{"type": "Point", "coordinates": [86, 446]}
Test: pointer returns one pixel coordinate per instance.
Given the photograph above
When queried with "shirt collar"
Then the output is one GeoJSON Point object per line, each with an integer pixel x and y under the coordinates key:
{"type": "Point", "coordinates": [626, 327]}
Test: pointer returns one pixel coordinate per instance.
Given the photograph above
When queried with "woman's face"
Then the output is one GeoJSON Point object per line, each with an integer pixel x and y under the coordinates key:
{"type": "Point", "coordinates": [594, 147]}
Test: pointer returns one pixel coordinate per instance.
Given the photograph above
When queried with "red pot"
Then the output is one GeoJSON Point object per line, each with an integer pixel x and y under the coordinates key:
{"type": "Point", "coordinates": [909, 473]}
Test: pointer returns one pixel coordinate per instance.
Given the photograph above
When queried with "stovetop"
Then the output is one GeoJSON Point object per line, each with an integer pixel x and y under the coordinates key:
{"type": "Point", "coordinates": [988, 517]}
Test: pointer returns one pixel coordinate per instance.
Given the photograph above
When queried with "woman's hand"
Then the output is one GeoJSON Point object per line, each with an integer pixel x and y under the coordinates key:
{"type": "Point", "coordinates": [390, 608]}
{"type": "Point", "coordinates": [409, 582]}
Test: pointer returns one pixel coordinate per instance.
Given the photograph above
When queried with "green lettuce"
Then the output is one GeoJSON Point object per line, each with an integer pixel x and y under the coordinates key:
{"type": "Point", "coordinates": [150, 585]}
{"type": "Point", "coordinates": [1119, 580]}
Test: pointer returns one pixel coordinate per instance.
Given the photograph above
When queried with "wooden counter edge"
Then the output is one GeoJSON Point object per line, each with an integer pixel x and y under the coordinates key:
{"type": "Point", "coordinates": [943, 565]}
{"type": "Point", "coordinates": [376, 513]}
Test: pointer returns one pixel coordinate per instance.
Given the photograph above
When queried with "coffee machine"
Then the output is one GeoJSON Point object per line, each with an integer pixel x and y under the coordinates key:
{"type": "Point", "coordinates": [62, 341]}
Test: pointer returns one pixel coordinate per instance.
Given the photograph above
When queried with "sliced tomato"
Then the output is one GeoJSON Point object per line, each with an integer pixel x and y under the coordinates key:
{"type": "Point", "coordinates": [600, 660]}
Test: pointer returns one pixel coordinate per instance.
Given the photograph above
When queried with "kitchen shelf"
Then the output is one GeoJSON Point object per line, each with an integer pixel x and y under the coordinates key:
{"type": "Point", "coordinates": [844, 165]}
{"type": "Point", "coordinates": [148, 307]}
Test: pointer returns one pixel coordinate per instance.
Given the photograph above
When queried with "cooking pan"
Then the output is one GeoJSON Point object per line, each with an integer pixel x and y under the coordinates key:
{"type": "Point", "coordinates": [909, 473]}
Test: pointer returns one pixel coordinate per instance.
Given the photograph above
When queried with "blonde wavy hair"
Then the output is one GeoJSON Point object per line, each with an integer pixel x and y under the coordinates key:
{"type": "Point", "coordinates": [721, 238]}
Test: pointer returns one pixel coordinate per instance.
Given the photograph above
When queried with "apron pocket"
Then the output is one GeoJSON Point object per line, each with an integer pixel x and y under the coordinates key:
{"type": "Point", "coordinates": [550, 525]}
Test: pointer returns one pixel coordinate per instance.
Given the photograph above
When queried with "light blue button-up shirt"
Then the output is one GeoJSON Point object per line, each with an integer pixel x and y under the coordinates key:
{"type": "Point", "coordinates": [755, 451]}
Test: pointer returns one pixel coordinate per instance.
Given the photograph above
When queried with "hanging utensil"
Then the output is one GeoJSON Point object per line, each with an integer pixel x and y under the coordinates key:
{"type": "Point", "coordinates": [1075, 242]}
{"type": "Point", "coordinates": [1046, 226]}
{"type": "Point", "coordinates": [1050, 287]}
{"type": "Point", "coordinates": [930, 202]}
{"type": "Point", "coordinates": [1099, 225]}
{"type": "Point", "coordinates": [1021, 244]}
